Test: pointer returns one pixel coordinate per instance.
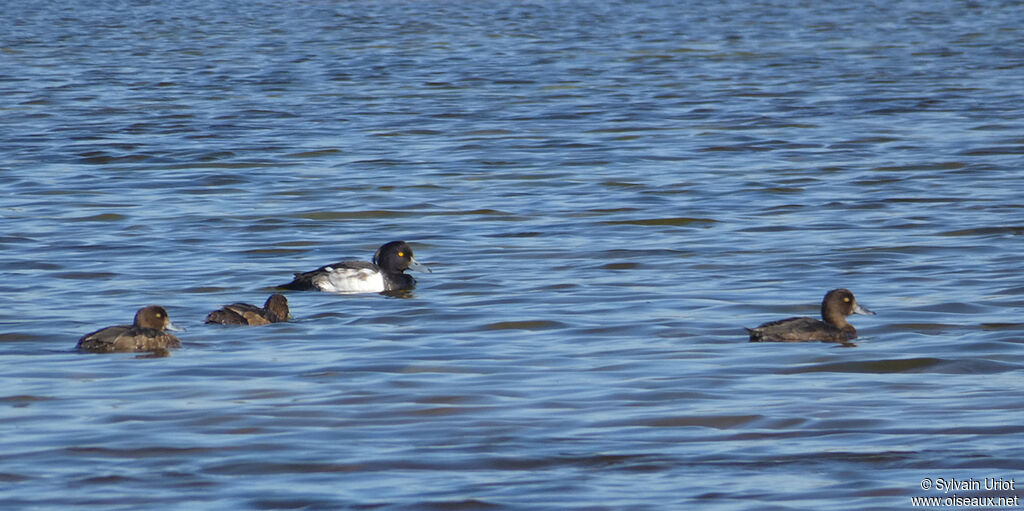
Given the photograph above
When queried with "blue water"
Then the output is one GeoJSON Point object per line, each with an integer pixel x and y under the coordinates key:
{"type": "Point", "coordinates": [606, 193]}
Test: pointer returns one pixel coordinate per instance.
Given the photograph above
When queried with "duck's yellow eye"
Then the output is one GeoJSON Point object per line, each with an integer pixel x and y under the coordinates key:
{"type": "Point", "coordinates": [159, 315]}
{"type": "Point", "coordinates": [846, 299]}
{"type": "Point", "coordinates": [401, 254]}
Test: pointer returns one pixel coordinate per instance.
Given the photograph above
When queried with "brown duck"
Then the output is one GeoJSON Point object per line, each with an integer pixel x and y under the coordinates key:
{"type": "Point", "coordinates": [835, 307]}
{"type": "Point", "coordinates": [275, 310]}
{"type": "Point", "coordinates": [145, 334]}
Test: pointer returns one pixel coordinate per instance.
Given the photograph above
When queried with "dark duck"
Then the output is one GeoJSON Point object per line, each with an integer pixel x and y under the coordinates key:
{"type": "Point", "coordinates": [275, 310]}
{"type": "Point", "coordinates": [835, 307]}
{"type": "Point", "coordinates": [386, 272]}
{"type": "Point", "coordinates": [146, 333]}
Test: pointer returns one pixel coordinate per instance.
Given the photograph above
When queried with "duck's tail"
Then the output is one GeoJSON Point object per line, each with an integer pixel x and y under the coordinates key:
{"type": "Point", "coordinates": [755, 334]}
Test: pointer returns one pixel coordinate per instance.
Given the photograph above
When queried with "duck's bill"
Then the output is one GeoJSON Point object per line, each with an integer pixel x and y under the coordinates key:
{"type": "Point", "coordinates": [858, 309]}
{"type": "Point", "coordinates": [174, 328]}
{"type": "Point", "coordinates": [415, 265]}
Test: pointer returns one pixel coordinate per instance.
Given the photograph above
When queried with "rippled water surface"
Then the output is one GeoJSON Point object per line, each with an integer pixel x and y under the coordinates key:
{"type": "Point", "coordinates": [606, 192]}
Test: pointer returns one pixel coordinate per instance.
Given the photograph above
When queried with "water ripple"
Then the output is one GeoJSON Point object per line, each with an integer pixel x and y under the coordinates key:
{"type": "Point", "coordinates": [606, 194]}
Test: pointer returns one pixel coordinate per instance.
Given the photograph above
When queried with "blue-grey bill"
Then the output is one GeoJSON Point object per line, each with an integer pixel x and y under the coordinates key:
{"type": "Point", "coordinates": [415, 265]}
{"type": "Point", "coordinates": [858, 309]}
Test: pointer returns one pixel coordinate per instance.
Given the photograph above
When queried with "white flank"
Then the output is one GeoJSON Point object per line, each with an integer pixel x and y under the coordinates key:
{"type": "Point", "coordinates": [350, 280]}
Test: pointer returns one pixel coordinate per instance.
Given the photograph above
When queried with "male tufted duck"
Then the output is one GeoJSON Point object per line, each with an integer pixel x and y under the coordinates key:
{"type": "Point", "coordinates": [837, 304]}
{"type": "Point", "coordinates": [145, 334]}
{"type": "Point", "coordinates": [274, 311]}
{"type": "Point", "coordinates": [385, 273]}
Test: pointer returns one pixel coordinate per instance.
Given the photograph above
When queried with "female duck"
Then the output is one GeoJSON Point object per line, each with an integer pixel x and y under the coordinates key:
{"type": "Point", "coordinates": [385, 273]}
{"type": "Point", "coordinates": [275, 310]}
{"type": "Point", "coordinates": [145, 334]}
{"type": "Point", "coordinates": [837, 305]}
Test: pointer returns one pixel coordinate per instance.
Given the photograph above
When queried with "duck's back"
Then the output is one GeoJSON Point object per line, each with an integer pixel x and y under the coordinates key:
{"type": "Point", "coordinates": [799, 329]}
{"type": "Point", "coordinates": [242, 314]}
{"type": "Point", "coordinates": [127, 338]}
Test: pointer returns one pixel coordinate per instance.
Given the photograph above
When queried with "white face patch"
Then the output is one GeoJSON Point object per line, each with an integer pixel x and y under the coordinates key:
{"type": "Point", "coordinates": [350, 280]}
